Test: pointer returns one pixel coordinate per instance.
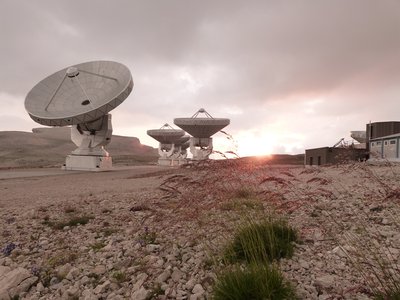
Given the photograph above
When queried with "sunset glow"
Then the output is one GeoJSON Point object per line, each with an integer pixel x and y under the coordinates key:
{"type": "Point", "coordinates": [253, 144]}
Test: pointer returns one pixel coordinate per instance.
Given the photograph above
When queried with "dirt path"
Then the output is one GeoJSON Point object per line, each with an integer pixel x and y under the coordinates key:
{"type": "Point", "coordinates": [29, 188]}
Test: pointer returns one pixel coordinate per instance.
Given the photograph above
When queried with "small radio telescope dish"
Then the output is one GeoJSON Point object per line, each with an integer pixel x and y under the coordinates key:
{"type": "Point", "coordinates": [82, 96]}
{"type": "Point", "coordinates": [201, 129]}
{"type": "Point", "coordinates": [166, 134]}
{"type": "Point", "coordinates": [170, 140]}
{"type": "Point", "coordinates": [359, 135]}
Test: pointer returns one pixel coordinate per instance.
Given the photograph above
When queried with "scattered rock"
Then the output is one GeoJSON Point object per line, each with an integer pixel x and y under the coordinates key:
{"type": "Point", "coordinates": [325, 282]}
{"type": "Point", "coordinates": [163, 277]}
{"type": "Point", "coordinates": [99, 270]}
{"type": "Point", "coordinates": [13, 282]}
{"type": "Point", "coordinates": [102, 287]}
{"type": "Point", "coordinates": [198, 289]}
{"type": "Point", "coordinates": [177, 275]}
{"type": "Point", "coordinates": [110, 257]}
{"type": "Point", "coordinates": [89, 295]}
{"type": "Point", "coordinates": [140, 294]}
{"type": "Point", "coordinates": [141, 278]}
{"type": "Point", "coordinates": [152, 247]}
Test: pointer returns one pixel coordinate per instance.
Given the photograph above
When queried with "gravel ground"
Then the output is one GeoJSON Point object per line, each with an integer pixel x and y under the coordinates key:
{"type": "Point", "coordinates": [159, 233]}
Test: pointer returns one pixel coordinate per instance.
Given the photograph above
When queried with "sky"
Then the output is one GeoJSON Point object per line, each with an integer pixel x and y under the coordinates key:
{"type": "Point", "coordinates": [289, 75]}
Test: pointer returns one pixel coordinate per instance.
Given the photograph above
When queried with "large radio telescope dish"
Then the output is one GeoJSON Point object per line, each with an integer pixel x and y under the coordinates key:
{"type": "Point", "coordinates": [79, 94]}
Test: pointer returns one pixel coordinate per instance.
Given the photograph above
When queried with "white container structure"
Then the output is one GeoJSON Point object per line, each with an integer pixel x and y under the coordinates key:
{"type": "Point", "coordinates": [169, 144]}
{"type": "Point", "coordinates": [201, 129]}
{"type": "Point", "coordinates": [81, 96]}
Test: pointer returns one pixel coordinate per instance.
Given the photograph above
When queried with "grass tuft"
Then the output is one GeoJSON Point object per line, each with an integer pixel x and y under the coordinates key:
{"type": "Point", "coordinates": [61, 258]}
{"type": "Point", "coordinates": [265, 241]}
{"type": "Point", "coordinates": [97, 246]}
{"type": "Point", "coordinates": [72, 221]}
{"type": "Point", "coordinates": [256, 282]}
{"type": "Point", "coordinates": [155, 291]}
{"type": "Point", "coordinates": [242, 204]}
{"type": "Point", "coordinates": [119, 276]}
{"type": "Point", "coordinates": [148, 237]}
{"type": "Point", "coordinates": [108, 231]}
{"type": "Point", "coordinates": [391, 294]}
{"type": "Point", "coordinates": [244, 193]}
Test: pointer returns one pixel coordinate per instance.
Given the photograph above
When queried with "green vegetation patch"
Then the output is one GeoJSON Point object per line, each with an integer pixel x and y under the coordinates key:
{"type": "Point", "coordinates": [240, 204]}
{"type": "Point", "coordinates": [244, 193]}
{"type": "Point", "coordinates": [119, 276]}
{"type": "Point", "coordinates": [392, 293]}
{"type": "Point", "coordinates": [148, 237]}
{"type": "Point", "coordinates": [256, 282]}
{"type": "Point", "coordinates": [97, 246]}
{"type": "Point", "coordinates": [265, 241]}
{"type": "Point", "coordinates": [61, 258]}
{"type": "Point", "coordinates": [243, 199]}
{"type": "Point", "coordinates": [108, 231]}
{"type": "Point", "coordinates": [72, 221]}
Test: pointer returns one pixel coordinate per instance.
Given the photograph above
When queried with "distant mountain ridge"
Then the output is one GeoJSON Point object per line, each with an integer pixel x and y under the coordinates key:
{"type": "Point", "coordinates": [45, 147]}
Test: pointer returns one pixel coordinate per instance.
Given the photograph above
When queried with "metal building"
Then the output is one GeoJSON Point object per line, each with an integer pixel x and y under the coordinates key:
{"type": "Point", "coordinates": [383, 140]}
{"type": "Point", "coordinates": [380, 129]}
{"type": "Point", "coordinates": [332, 155]}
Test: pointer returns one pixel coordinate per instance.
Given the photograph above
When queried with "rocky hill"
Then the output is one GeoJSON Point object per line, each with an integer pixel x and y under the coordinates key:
{"type": "Point", "coordinates": [45, 147]}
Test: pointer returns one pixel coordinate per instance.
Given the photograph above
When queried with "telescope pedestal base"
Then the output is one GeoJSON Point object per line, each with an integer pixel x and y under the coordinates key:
{"type": "Point", "coordinates": [182, 161]}
{"type": "Point", "coordinates": [165, 162]}
{"type": "Point", "coordinates": [87, 163]}
{"type": "Point", "coordinates": [170, 162]}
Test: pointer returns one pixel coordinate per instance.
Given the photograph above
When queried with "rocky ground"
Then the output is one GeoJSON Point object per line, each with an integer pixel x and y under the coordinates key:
{"type": "Point", "coordinates": [160, 234]}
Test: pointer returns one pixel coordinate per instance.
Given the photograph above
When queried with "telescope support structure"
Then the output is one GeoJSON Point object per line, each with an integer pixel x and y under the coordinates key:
{"type": "Point", "coordinates": [171, 155]}
{"type": "Point", "coordinates": [201, 148]}
{"type": "Point", "coordinates": [90, 138]}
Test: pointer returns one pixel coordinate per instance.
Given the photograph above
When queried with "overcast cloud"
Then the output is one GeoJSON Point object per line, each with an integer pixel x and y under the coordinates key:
{"type": "Point", "coordinates": [289, 74]}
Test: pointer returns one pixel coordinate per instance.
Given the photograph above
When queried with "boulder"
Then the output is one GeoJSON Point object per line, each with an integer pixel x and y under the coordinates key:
{"type": "Point", "coordinates": [13, 282]}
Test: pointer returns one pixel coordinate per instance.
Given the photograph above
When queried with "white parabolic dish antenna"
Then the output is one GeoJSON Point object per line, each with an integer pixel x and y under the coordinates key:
{"type": "Point", "coordinates": [81, 96]}
{"type": "Point", "coordinates": [170, 140]}
{"type": "Point", "coordinates": [183, 140]}
{"type": "Point", "coordinates": [166, 134]}
{"type": "Point", "coordinates": [201, 127]}
{"type": "Point", "coordinates": [359, 135]}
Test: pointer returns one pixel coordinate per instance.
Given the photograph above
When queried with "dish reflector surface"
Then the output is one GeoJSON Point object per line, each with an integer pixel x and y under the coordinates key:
{"type": "Point", "coordinates": [359, 136]}
{"type": "Point", "coordinates": [79, 94]}
{"type": "Point", "coordinates": [182, 140]}
{"type": "Point", "coordinates": [201, 127]}
{"type": "Point", "coordinates": [166, 134]}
